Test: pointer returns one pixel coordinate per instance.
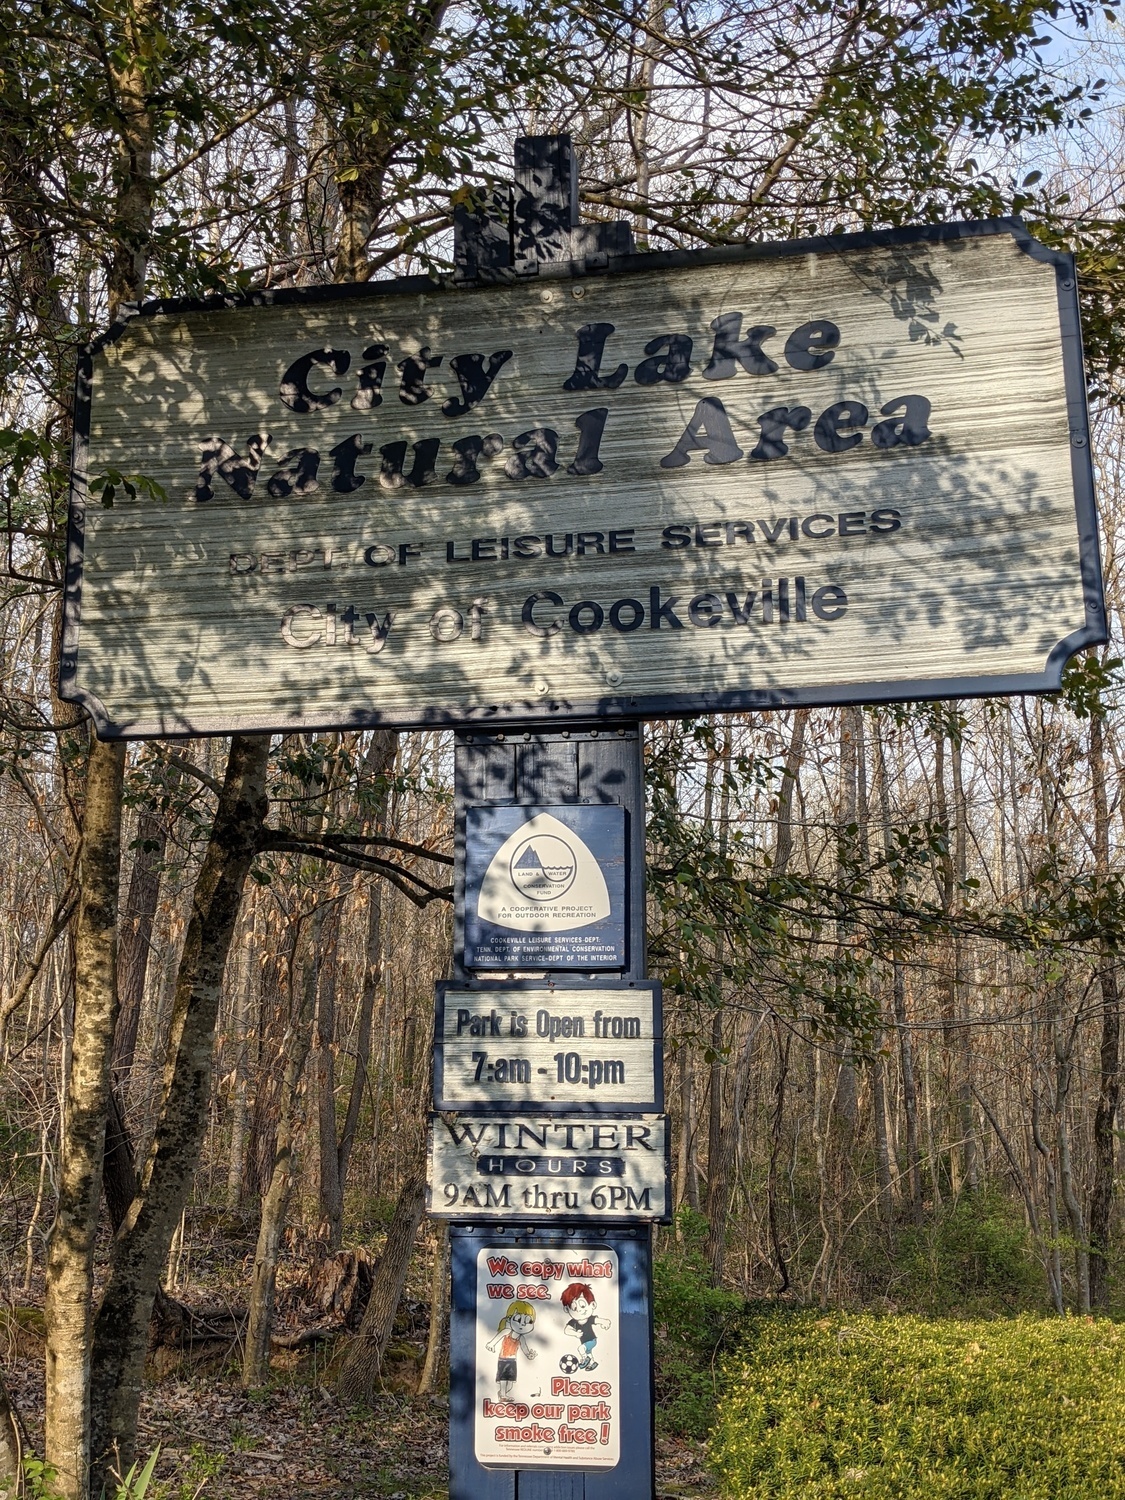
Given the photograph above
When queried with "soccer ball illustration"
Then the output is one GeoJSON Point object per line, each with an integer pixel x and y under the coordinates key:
{"type": "Point", "coordinates": [569, 1363]}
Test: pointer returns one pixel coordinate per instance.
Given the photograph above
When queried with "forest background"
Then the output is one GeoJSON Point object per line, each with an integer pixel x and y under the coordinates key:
{"type": "Point", "coordinates": [888, 937]}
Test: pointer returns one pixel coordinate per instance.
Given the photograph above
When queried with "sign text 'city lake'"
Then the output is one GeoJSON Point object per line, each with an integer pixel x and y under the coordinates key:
{"type": "Point", "coordinates": [855, 469]}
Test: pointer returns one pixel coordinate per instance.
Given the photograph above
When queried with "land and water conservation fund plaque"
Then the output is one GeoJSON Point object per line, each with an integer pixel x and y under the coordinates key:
{"type": "Point", "coordinates": [836, 470]}
{"type": "Point", "coordinates": [545, 887]}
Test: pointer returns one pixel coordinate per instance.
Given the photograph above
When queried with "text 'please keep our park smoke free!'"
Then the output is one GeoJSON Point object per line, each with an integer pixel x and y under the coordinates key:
{"type": "Point", "coordinates": [547, 1365]}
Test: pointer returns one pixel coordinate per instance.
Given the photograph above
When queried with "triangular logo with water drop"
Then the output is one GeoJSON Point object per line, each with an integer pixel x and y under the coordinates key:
{"type": "Point", "coordinates": [543, 879]}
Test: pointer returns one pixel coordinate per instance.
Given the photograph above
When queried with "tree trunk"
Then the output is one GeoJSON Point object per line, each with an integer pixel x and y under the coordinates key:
{"type": "Point", "coordinates": [883, 1176]}
{"type": "Point", "coordinates": [783, 1045]}
{"type": "Point", "coordinates": [11, 1445]}
{"type": "Point", "coordinates": [722, 1168]}
{"type": "Point", "coordinates": [141, 1249]}
{"type": "Point", "coordinates": [70, 1252]}
{"type": "Point", "coordinates": [240, 1108]}
{"type": "Point", "coordinates": [783, 847]}
{"type": "Point", "coordinates": [119, 1172]}
{"type": "Point", "coordinates": [324, 1069]}
{"type": "Point", "coordinates": [364, 1357]}
{"type": "Point", "coordinates": [439, 1283]}
{"type": "Point", "coordinates": [379, 763]}
{"type": "Point", "coordinates": [1054, 1258]}
{"type": "Point", "coordinates": [1109, 1056]}
{"type": "Point", "coordinates": [966, 1118]}
{"type": "Point", "coordinates": [275, 1202]}
{"type": "Point", "coordinates": [719, 1157]}
{"type": "Point", "coordinates": [135, 938]}
{"type": "Point", "coordinates": [688, 1177]}
{"type": "Point", "coordinates": [846, 1093]}
{"type": "Point", "coordinates": [275, 1207]}
{"type": "Point", "coordinates": [1064, 1075]}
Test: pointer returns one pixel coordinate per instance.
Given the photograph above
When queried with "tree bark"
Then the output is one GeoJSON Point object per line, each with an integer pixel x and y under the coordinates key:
{"type": "Point", "coordinates": [119, 1172]}
{"type": "Point", "coordinates": [11, 1445]}
{"type": "Point", "coordinates": [1109, 1052]}
{"type": "Point", "coordinates": [722, 1168]}
{"type": "Point", "coordinates": [689, 1177]}
{"type": "Point", "coordinates": [141, 1248]}
{"type": "Point", "coordinates": [240, 1109]}
{"type": "Point", "coordinates": [439, 1285]}
{"type": "Point", "coordinates": [364, 1358]}
{"type": "Point", "coordinates": [378, 763]}
{"type": "Point", "coordinates": [70, 1252]}
{"type": "Point", "coordinates": [324, 1069]}
{"type": "Point", "coordinates": [135, 938]}
{"type": "Point", "coordinates": [783, 847]}
{"type": "Point", "coordinates": [966, 1118]}
{"type": "Point", "coordinates": [275, 1201]}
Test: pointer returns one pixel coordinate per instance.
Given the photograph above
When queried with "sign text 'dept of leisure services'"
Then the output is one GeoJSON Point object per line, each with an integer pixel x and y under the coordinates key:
{"type": "Point", "coordinates": [595, 1049]}
{"type": "Point", "coordinates": [837, 470]}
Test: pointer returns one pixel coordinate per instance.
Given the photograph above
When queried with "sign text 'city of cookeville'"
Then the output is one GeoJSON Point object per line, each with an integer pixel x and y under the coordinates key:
{"type": "Point", "coordinates": [713, 480]}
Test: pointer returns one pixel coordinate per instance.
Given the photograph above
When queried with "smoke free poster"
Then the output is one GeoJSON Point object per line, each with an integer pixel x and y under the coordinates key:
{"type": "Point", "coordinates": [545, 887]}
{"type": "Point", "coordinates": [547, 1364]}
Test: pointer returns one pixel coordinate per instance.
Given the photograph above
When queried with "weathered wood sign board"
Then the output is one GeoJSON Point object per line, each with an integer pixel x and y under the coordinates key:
{"type": "Point", "coordinates": [836, 470]}
{"type": "Point", "coordinates": [548, 1049]}
{"type": "Point", "coordinates": [538, 1166]}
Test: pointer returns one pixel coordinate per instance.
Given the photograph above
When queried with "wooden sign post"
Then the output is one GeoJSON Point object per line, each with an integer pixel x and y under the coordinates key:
{"type": "Point", "coordinates": [551, 1183]}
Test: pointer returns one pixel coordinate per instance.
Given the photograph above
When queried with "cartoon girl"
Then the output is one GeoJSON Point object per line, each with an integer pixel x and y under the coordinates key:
{"type": "Point", "coordinates": [511, 1338]}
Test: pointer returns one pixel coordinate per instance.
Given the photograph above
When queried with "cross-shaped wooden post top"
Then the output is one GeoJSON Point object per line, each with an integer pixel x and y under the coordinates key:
{"type": "Point", "coordinates": [512, 229]}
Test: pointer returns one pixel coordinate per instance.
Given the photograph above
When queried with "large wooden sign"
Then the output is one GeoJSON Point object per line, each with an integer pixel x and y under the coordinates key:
{"type": "Point", "coordinates": [854, 469]}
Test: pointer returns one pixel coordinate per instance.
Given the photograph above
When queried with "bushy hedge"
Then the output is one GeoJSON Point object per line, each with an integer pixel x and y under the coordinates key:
{"type": "Point", "coordinates": [900, 1408]}
{"type": "Point", "coordinates": [695, 1325]}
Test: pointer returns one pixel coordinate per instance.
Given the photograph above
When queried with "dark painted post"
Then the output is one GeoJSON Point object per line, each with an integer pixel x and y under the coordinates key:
{"type": "Point", "coordinates": [579, 765]}
{"type": "Point", "coordinates": [508, 232]}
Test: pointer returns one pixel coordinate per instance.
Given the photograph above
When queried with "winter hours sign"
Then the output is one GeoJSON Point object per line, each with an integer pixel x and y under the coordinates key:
{"type": "Point", "coordinates": [807, 473]}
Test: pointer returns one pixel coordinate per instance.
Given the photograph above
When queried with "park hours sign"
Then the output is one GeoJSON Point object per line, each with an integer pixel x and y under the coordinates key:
{"type": "Point", "coordinates": [837, 470]}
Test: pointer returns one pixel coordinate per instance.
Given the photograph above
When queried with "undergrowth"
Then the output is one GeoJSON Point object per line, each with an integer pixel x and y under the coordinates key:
{"type": "Point", "coordinates": [829, 1407]}
{"type": "Point", "coordinates": [695, 1325]}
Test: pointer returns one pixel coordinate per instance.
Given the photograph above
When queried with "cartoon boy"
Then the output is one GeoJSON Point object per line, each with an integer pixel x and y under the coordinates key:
{"type": "Point", "coordinates": [511, 1337]}
{"type": "Point", "coordinates": [578, 1300]}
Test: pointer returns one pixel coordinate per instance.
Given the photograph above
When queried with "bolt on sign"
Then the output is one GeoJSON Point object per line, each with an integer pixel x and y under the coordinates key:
{"type": "Point", "coordinates": [547, 1358]}
{"type": "Point", "coordinates": [598, 1049]}
{"type": "Point", "coordinates": [851, 468]}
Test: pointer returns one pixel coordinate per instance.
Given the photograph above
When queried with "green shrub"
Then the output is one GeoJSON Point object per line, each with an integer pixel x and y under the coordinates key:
{"type": "Point", "coordinates": [694, 1324]}
{"type": "Point", "coordinates": [898, 1408]}
{"type": "Point", "coordinates": [975, 1258]}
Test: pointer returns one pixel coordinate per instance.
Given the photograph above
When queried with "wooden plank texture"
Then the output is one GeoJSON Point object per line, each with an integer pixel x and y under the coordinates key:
{"type": "Point", "coordinates": [531, 1167]}
{"type": "Point", "coordinates": [858, 480]}
{"type": "Point", "coordinates": [526, 1048]}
